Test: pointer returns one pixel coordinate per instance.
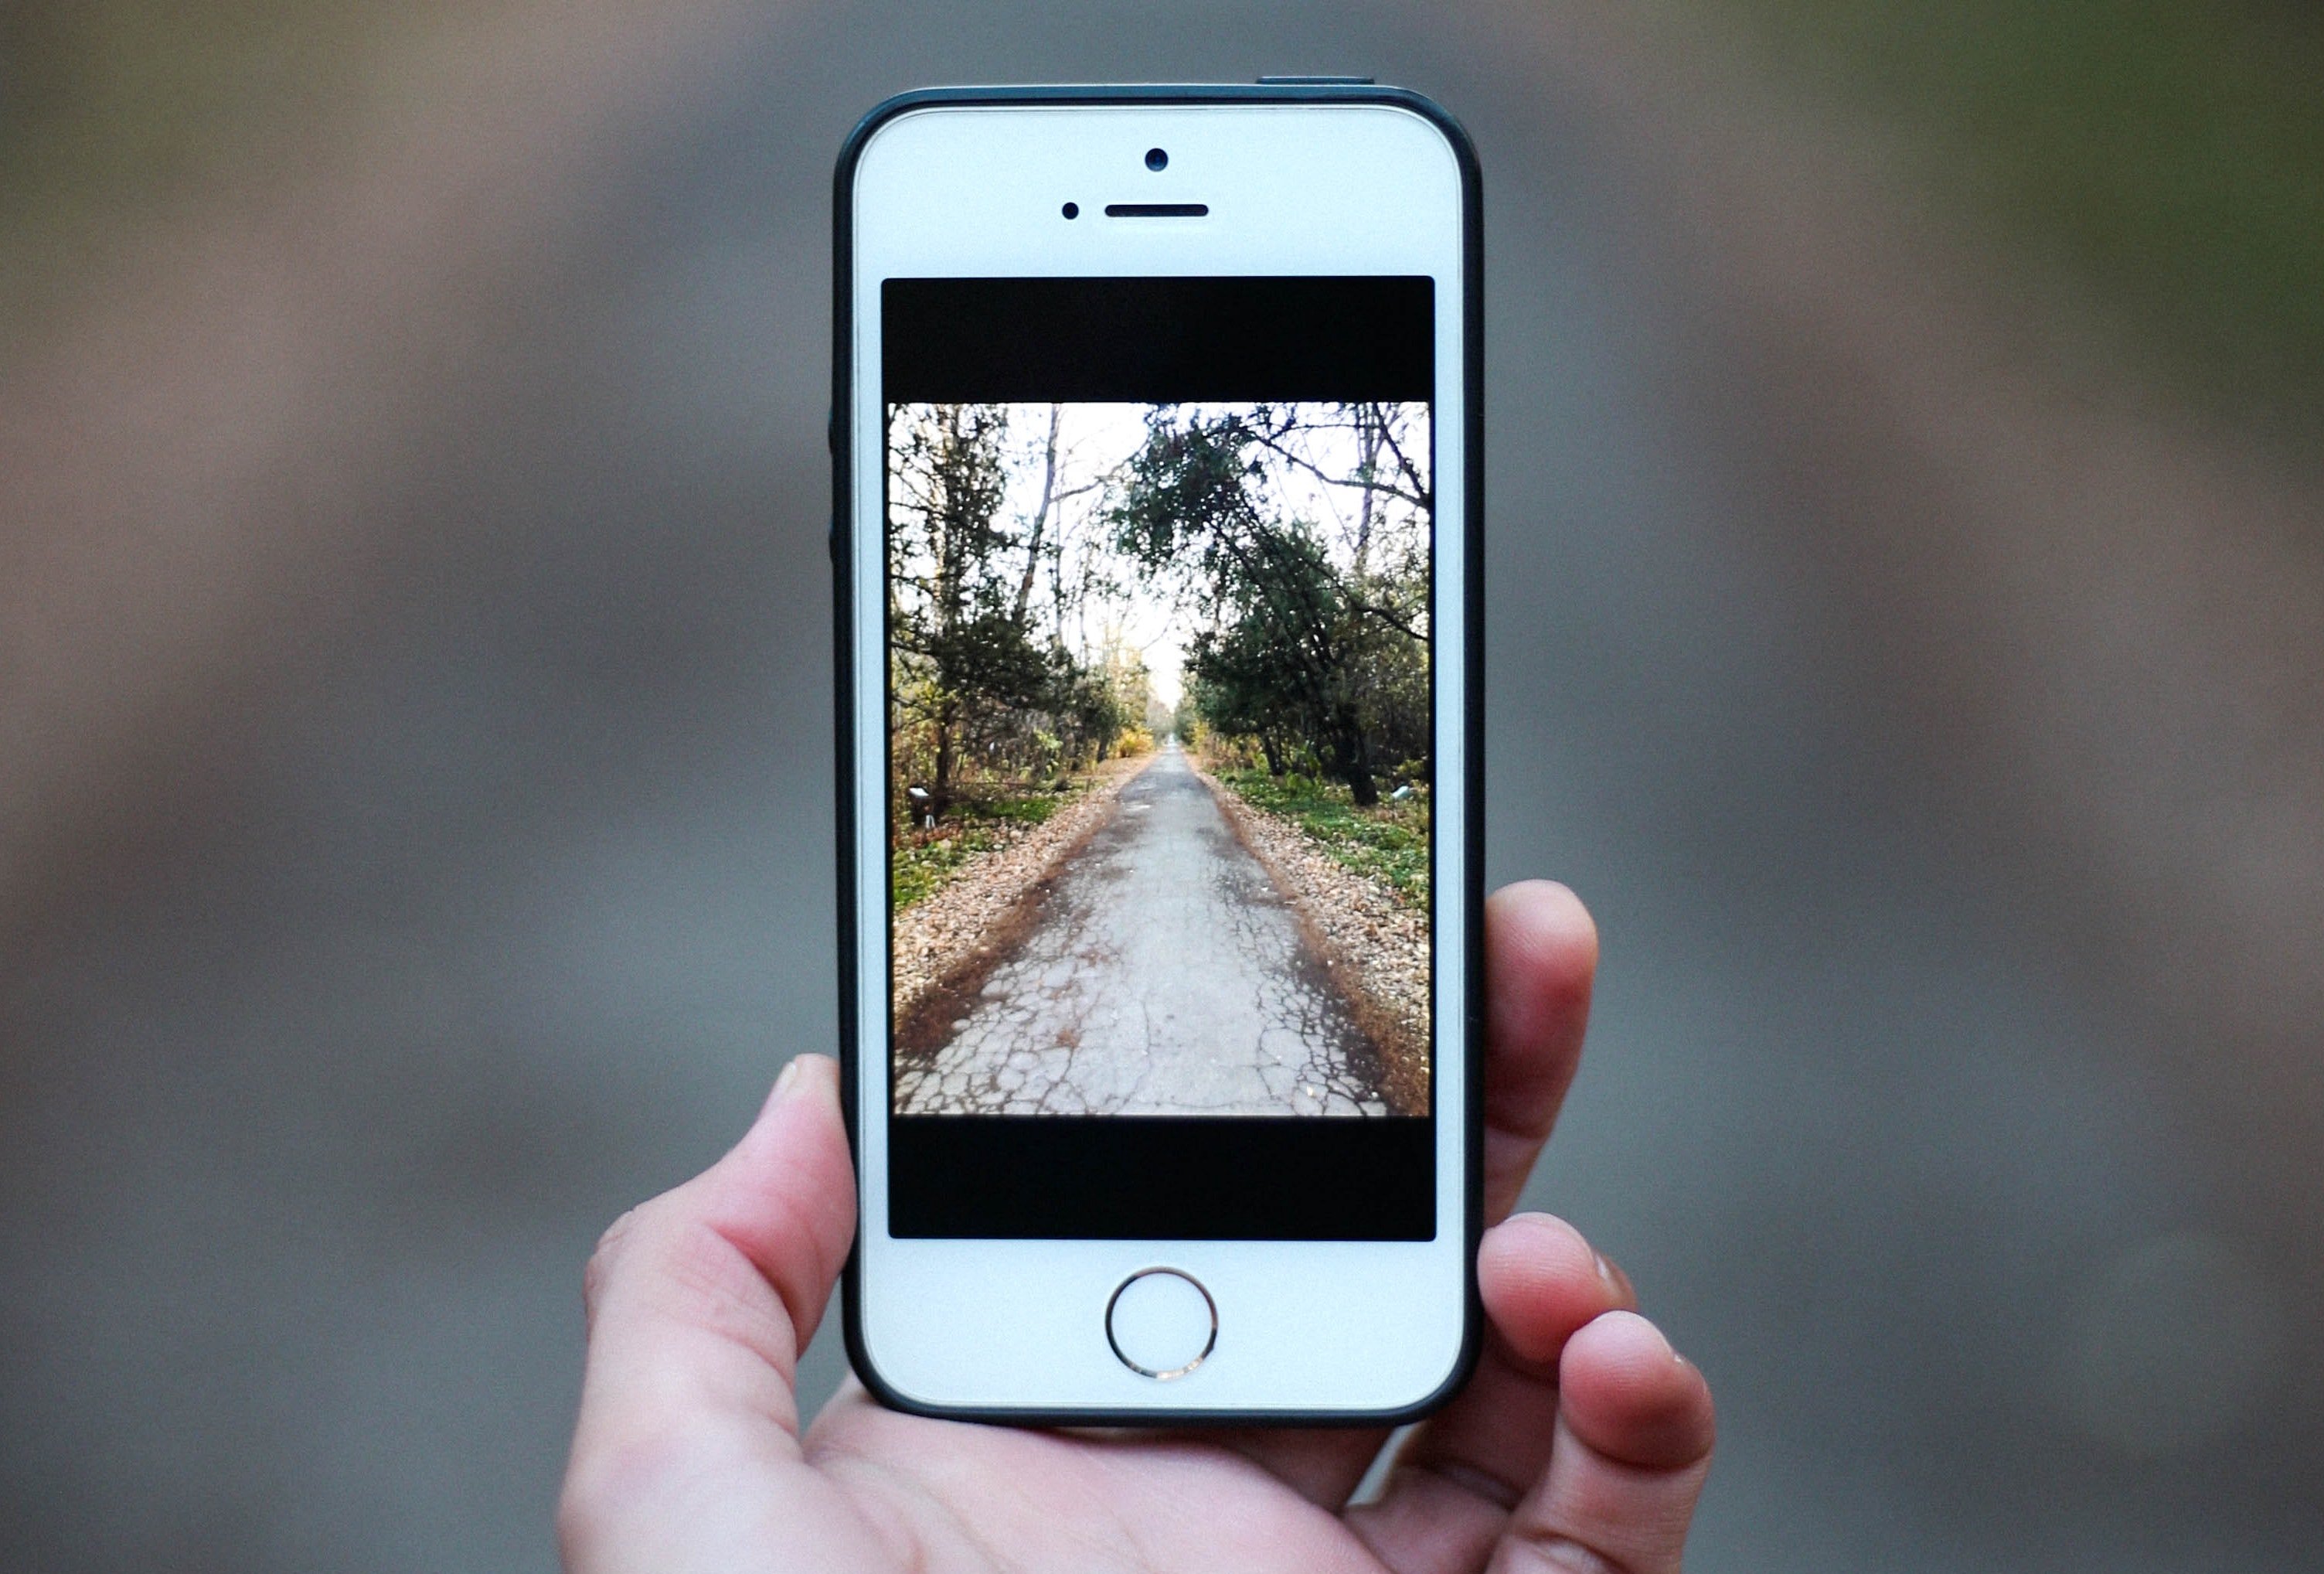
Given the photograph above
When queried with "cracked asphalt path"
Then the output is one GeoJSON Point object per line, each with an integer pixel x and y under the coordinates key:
{"type": "Point", "coordinates": [1163, 973]}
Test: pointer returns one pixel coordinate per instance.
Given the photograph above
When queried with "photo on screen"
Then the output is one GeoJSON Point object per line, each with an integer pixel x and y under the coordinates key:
{"type": "Point", "coordinates": [1159, 744]}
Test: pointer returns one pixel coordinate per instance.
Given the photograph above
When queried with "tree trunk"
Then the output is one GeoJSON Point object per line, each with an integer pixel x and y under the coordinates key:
{"type": "Point", "coordinates": [1369, 420]}
{"type": "Point", "coordinates": [1040, 522]}
{"type": "Point", "coordinates": [940, 789]}
{"type": "Point", "coordinates": [1353, 756]}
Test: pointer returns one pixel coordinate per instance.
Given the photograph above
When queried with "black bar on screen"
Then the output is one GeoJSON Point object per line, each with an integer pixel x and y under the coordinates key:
{"type": "Point", "coordinates": [1317, 1178]}
{"type": "Point", "coordinates": [1157, 340]}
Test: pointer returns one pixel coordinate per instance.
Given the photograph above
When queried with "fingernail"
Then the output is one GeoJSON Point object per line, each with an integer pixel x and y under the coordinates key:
{"type": "Point", "coordinates": [1653, 1332]}
{"type": "Point", "coordinates": [787, 1082]}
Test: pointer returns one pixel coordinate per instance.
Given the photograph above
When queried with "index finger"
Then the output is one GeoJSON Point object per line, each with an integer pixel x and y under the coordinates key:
{"type": "Point", "coordinates": [1541, 952]}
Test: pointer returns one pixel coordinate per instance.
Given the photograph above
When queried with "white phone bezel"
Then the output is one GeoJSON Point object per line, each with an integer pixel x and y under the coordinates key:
{"type": "Point", "coordinates": [965, 188]}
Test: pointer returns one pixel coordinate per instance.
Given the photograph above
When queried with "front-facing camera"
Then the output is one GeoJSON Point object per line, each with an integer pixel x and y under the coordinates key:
{"type": "Point", "coordinates": [1156, 160]}
{"type": "Point", "coordinates": [1072, 210]}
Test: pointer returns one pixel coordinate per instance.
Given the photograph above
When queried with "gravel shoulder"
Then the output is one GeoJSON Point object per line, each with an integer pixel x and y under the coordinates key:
{"type": "Point", "coordinates": [1374, 942]}
{"type": "Point", "coordinates": [942, 931]}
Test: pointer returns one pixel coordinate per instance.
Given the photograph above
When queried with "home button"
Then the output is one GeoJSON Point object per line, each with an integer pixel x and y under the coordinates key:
{"type": "Point", "coordinates": [1161, 1323]}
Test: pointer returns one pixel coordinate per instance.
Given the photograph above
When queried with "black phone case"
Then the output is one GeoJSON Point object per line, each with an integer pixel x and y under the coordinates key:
{"type": "Point", "coordinates": [1472, 862]}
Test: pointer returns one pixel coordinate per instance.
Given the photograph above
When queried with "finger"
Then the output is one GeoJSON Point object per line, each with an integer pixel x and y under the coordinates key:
{"type": "Point", "coordinates": [1541, 961]}
{"type": "Point", "coordinates": [700, 1300]}
{"type": "Point", "coordinates": [1540, 955]}
{"type": "Point", "coordinates": [1455, 1481]}
{"type": "Point", "coordinates": [1633, 1439]}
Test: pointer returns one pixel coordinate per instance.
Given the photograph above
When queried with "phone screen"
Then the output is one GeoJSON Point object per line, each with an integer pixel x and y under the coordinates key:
{"type": "Point", "coordinates": [1160, 559]}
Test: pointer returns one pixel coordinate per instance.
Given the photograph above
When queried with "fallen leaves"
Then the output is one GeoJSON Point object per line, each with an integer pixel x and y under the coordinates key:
{"type": "Point", "coordinates": [1365, 931]}
{"type": "Point", "coordinates": [941, 930]}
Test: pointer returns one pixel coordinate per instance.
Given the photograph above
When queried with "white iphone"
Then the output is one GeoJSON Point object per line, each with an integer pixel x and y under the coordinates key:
{"type": "Point", "coordinates": [1156, 530]}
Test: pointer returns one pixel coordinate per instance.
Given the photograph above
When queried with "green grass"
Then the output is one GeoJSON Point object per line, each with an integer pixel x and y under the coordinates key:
{"type": "Point", "coordinates": [1387, 843]}
{"type": "Point", "coordinates": [2168, 157]}
{"type": "Point", "coordinates": [925, 861]}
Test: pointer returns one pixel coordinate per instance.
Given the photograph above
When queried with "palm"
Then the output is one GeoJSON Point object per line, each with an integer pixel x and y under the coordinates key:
{"type": "Point", "coordinates": [1581, 1442]}
{"type": "Point", "coordinates": [1072, 1503]}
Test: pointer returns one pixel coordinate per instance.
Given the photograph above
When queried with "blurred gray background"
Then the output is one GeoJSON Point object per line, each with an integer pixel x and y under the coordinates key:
{"type": "Point", "coordinates": [1907, 620]}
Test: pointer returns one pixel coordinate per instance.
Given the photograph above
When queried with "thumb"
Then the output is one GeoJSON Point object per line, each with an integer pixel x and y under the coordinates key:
{"type": "Point", "coordinates": [700, 1300]}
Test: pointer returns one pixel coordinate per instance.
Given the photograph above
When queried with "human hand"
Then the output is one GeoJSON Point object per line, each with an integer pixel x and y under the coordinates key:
{"type": "Point", "coordinates": [1580, 1443]}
